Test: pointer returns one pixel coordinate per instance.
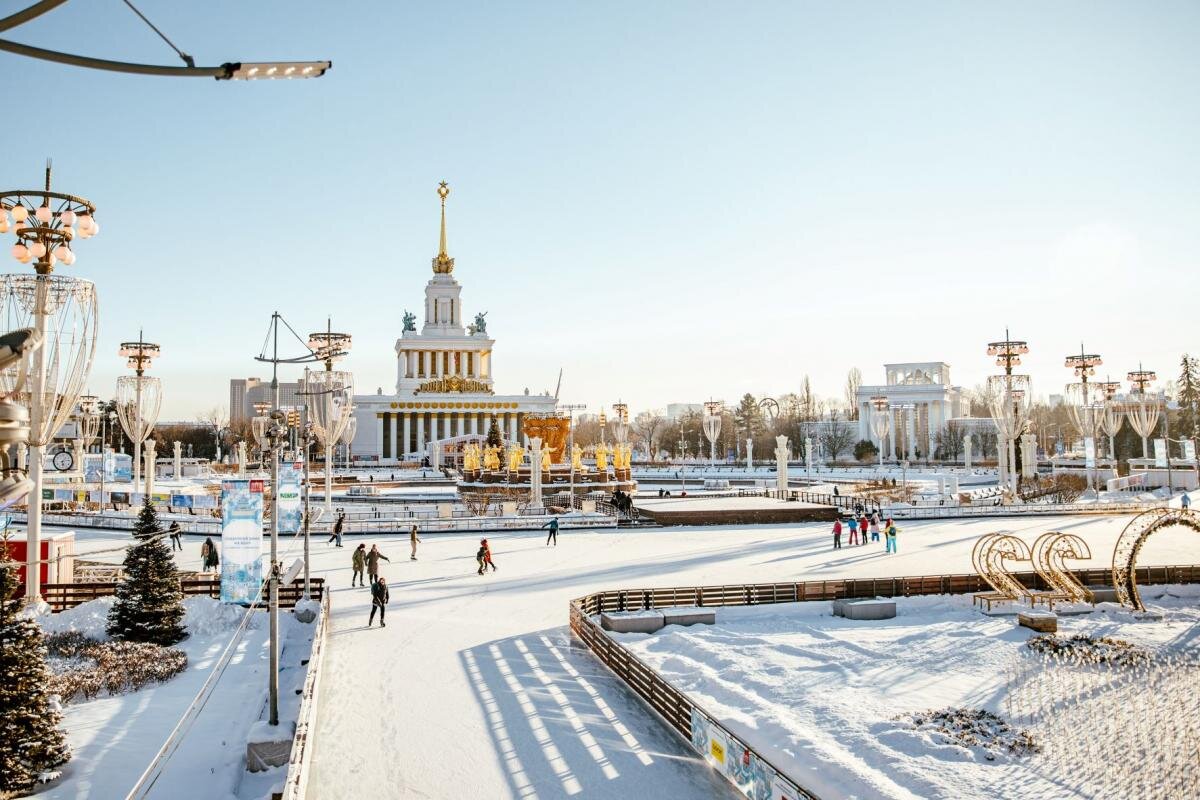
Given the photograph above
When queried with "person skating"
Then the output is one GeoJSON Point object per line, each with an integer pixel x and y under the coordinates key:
{"type": "Point", "coordinates": [890, 535]}
{"type": "Point", "coordinates": [176, 536]}
{"type": "Point", "coordinates": [553, 525]}
{"type": "Point", "coordinates": [1185, 503]}
{"type": "Point", "coordinates": [379, 600]}
{"type": "Point", "coordinates": [208, 555]}
{"type": "Point", "coordinates": [837, 533]}
{"type": "Point", "coordinates": [337, 530]}
{"type": "Point", "coordinates": [479, 556]}
{"type": "Point", "coordinates": [359, 562]}
{"type": "Point", "coordinates": [853, 524]}
{"type": "Point", "coordinates": [487, 554]}
{"type": "Point", "coordinates": [875, 527]}
{"type": "Point", "coordinates": [413, 539]}
{"type": "Point", "coordinates": [373, 557]}
{"type": "Point", "coordinates": [862, 529]}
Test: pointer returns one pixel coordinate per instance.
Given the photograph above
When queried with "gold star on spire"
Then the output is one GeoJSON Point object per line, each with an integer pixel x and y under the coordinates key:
{"type": "Point", "coordinates": [442, 262]}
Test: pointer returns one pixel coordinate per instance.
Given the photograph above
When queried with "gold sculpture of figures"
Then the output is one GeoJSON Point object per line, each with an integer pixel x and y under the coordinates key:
{"type": "Point", "coordinates": [577, 458]}
{"type": "Point", "coordinates": [491, 461]}
{"type": "Point", "coordinates": [601, 458]}
{"type": "Point", "coordinates": [546, 459]}
{"type": "Point", "coordinates": [516, 454]}
{"type": "Point", "coordinates": [623, 456]}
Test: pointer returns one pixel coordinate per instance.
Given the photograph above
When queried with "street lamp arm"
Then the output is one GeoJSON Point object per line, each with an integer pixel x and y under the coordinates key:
{"type": "Point", "coordinates": [225, 72]}
{"type": "Point", "coordinates": [26, 14]}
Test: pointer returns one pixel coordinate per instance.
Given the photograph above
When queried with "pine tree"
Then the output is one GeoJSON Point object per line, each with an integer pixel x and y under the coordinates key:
{"type": "Point", "coordinates": [31, 745]}
{"type": "Point", "coordinates": [1189, 397]}
{"type": "Point", "coordinates": [149, 601]}
{"type": "Point", "coordinates": [493, 438]}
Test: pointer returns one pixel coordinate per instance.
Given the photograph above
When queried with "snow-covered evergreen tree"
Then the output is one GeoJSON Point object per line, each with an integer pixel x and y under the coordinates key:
{"type": "Point", "coordinates": [31, 745]}
{"type": "Point", "coordinates": [149, 601]}
{"type": "Point", "coordinates": [1188, 397]}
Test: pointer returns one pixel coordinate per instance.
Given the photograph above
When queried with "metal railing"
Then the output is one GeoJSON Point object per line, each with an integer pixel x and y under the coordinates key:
{"type": "Point", "coordinates": [61, 596]}
{"type": "Point", "coordinates": [677, 709]}
{"type": "Point", "coordinates": [954, 512]}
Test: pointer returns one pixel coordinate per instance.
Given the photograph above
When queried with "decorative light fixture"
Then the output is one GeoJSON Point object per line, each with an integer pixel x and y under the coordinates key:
{"type": "Point", "coordinates": [1008, 404]}
{"type": "Point", "coordinates": [881, 421]}
{"type": "Point", "coordinates": [712, 426]}
{"type": "Point", "coordinates": [329, 396]}
{"type": "Point", "coordinates": [620, 423]}
{"type": "Point", "coordinates": [1142, 406]}
{"type": "Point", "coordinates": [139, 399]}
{"type": "Point", "coordinates": [238, 70]}
{"type": "Point", "coordinates": [63, 312]}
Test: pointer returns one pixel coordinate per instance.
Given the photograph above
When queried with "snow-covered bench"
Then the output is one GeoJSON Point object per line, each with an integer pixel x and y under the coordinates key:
{"type": "Point", "coordinates": [865, 609]}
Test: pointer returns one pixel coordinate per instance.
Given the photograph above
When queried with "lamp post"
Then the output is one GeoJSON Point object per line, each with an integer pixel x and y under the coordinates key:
{"type": "Point", "coordinates": [1008, 417]}
{"type": "Point", "coordinates": [139, 398]}
{"type": "Point", "coordinates": [603, 420]}
{"type": "Point", "coordinates": [881, 421]}
{"type": "Point", "coordinates": [1141, 406]}
{"type": "Point", "coordinates": [1110, 416]}
{"type": "Point", "coordinates": [274, 435]}
{"type": "Point", "coordinates": [328, 396]}
{"type": "Point", "coordinates": [712, 426]}
{"type": "Point", "coordinates": [1083, 401]}
{"type": "Point", "coordinates": [63, 313]}
{"type": "Point", "coordinates": [348, 434]}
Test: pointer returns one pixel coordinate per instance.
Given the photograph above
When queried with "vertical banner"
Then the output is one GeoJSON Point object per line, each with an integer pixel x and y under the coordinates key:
{"type": "Point", "coordinates": [241, 540]}
{"type": "Point", "coordinates": [1160, 453]}
{"type": "Point", "coordinates": [1089, 452]}
{"type": "Point", "coordinates": [291, 511]}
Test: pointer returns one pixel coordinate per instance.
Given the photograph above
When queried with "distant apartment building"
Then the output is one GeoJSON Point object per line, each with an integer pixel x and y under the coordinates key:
{"type": "Point", "coordinates": [677, 410]}
{"type": "Point", "coordinates": [245, 392]}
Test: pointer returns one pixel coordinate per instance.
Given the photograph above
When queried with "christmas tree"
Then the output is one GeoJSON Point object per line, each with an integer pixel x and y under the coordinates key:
{"type": "Point", "coordinates": [31, 745]}
{"type": "Point", "coordinates": [149, 601]}
{"type": "Point", "coordinates": [493, 439]}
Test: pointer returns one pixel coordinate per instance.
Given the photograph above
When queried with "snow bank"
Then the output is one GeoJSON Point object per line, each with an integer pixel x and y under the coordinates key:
{"type": "Point", "coordinates": [89, 619]}
{"type": "Point", "coordinates": [207, 616]}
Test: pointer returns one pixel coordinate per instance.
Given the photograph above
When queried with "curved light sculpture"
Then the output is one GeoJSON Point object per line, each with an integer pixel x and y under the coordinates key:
{"type": "Point", "coordinates": [1008, 404]}
{"type": "Point", "coordinates": [620, 423]}
{"type": "Point", "coordinates": [881, 421]}
{"type": "Point", "coordinates": [329, 395]}
{"type": "Point", "coordinates": [139, 398]}
{"type": "Point", "coordinates": [1142, 406]}
{"type": "Point", "coordinates": [712, 426]}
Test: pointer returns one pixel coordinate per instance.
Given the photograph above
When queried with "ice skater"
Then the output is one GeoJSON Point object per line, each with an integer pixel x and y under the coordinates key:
{"type": "Point", "coordinates": [479, 556]}
{"type": "Point", "coordinates": [553, 525]}
{"type": "Point", "coordinates": [176, 536]}
{"type": "Point", "coordinates": [373, 556]}
{"type": "Point", "coordinates": [1185, 503]}
{"type": "Point", "coordinates": [837, 534]}
{"type": "Point", "coordinates": [890, 535]}
{"type": "Point", "coordinates": [359, 562]}
{"type": "Point", "coordinates": [487, 555]}
{"type": "Point", "coordinates": [379, 600]}
{"type": "Point", "coordinates": [337, 531]}
{"type": "Point", "coordinates": [875, 527]}
{"type": "Point", "coordinates": [413, 539]}
{"type": "Point", "coordinates": [862, 529]}
{"type": "Point", "coordinates": [853, 530]}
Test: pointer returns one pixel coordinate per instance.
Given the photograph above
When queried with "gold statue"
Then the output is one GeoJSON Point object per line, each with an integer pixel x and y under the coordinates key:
{"type": "Point", "coordinates": [491, 461]}
{"type": "Point", "coordinates": [516, 454]}
{"type": "Point", "coordinates": [577, 458]}
{"type": "Point", "coordinates": [546, 459]}
{"type": "Point", "coordinates": [601, 458]}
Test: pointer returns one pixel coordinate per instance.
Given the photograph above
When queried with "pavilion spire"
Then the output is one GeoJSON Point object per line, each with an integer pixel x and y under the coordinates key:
{"type": "Point", "coordinates": [442, 262]}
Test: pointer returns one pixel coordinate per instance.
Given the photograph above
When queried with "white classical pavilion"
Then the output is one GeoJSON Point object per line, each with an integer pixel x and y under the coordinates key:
{"type": "Point", "coordinates": [444, 379]}
{"type": "Point", "coordinates": [921, 400]}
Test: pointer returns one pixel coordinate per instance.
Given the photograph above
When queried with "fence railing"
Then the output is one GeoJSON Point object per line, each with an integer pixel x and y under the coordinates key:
{"type": "Point", "coordinates": [61, 596]}
{"type": "Point", "coordinates": [955, 512]}
{"type": "Point", "coordinates": [678, 709]}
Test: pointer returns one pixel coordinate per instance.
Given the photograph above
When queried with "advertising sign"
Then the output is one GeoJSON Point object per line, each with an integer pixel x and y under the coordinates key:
{"type": "Point", "coordinates": [241, 540]}
{"type": "Point", "coordinates": [291, 511]}
{"type": "Point", "coordinates": [181, 500]}
{"type": "Point", "coordinates": [755, 778]}
{"type": "Point", "coordinates": [118, 467]}
{"type": "Point", "coordinates": [92, 464]}
{"type": "Point", "coordinates": [1160, 453]}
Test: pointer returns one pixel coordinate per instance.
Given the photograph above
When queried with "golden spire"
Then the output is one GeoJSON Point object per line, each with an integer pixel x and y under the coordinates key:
{"type": "Point", "coordinates": [443, 263]}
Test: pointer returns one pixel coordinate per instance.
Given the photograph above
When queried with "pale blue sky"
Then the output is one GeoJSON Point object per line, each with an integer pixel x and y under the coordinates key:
{"type": "Point", "coordinates": [668, 200]}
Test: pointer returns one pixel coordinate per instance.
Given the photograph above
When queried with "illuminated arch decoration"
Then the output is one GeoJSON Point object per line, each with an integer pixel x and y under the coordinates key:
{"type": "Point", "coordinates": [1051, 551]}
{"type": "Point", "coordinates": [1129, 544]}
{"type": "Point", "coordinates": [989, 558]}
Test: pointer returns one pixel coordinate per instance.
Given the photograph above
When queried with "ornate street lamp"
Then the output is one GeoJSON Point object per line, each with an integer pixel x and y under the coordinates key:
{"type": "Point", "coordinates": [1084, 401]}
{"type": "Point", "coordinates": [1112, 415]}
{"type": "Point", "coordinates": [329, 396]}
{"type": "Point", "coordinates": [881, 421]}
{"type": "Point", "coordinates": [89, 419]}
{"type": "Point", "coordinates": [62, 311]}
{"type": "Point", "coordinates": [1008, 404]}
{"type": "Point", "coordinates": [139, 398]}
{"type": "Point", "coordinates": [1142, 406]}
{"type": "Point", "coordinates": [348, 434]}
{"type": "Point", "coordinates": [620, 423]}
{"type": "Point", "coordinates": [712, 426]}
{"type": "Point", "coordinates": [1008, 355]}
{"type": "Point", "coordinates": [603, 420]}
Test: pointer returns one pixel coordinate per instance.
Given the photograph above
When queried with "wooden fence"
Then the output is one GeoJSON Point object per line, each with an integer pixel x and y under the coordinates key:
{"type": "Point", "coordinates": [676, 708]}
{"type": "Point", "coordinates": [61, 596]}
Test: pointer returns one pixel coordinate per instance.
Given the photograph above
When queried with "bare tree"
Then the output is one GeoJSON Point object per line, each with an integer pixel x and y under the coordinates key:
{"type": "Point", "coordinates": [853, 381]}
{"type": "Point", "coordinates": [646, 428]}
{"type": "Point", "coordinates": [836, 436]}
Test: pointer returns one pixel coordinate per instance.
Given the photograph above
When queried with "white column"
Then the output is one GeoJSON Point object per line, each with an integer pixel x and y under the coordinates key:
{"type": "Point", "coordinates": [475, 423]}
{"type": "Point", "coordinates": [462, 423]}
{"type": "Point", "coordinates": [178, 473]}
{"type": "Point", "coordinates": [912, 434]}
{"type": "Point", "coordinates": [512, 427]}
{"type": "Point", "coordinates": [808, 455]}
{"type": "Point", "coordinates": [407, 433]}
{"type": "Point", "coordinates": [967, 450]}
{"type": "Point", "coordinates": [241, 458]}
{"type": "Point", "coordinates": [535, 472]}
{"type": "Point", "coordinates": [435, 426]}
{"type": "Point", "coordinates": [781, 463]}
{"type": "Point", "coordinates": [148, 452]}
{"type": "Point", "coordinates": [420, 420]}
{"type": "Point", "coordinates": [749, 453]}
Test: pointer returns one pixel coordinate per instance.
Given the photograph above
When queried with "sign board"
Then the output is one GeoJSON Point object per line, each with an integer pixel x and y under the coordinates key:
{"type": "Point", "coordinates": [1160, 453]}
{"type": "Point", "coordinates": [118, 467]}
{"type": "Point", "coordinates": [290, 509]}
{"type": "Point", "coordinates": [241, 540]}
{"type": "Point", "coordinates": [751, 775]}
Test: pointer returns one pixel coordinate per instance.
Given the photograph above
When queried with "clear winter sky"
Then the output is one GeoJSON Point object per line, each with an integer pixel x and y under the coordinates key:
{"type": "Point", "coordinates": [669, 200]}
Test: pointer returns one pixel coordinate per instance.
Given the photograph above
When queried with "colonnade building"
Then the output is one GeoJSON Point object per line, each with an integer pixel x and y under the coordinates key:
{"type": "Point", "coordinates": [920, 400]}
{"type": "Point", "coordinates": [444, 379]}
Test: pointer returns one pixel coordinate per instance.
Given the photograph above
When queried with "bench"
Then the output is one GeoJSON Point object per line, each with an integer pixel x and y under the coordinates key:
{"type": "Point", "coordinates": [865, 609]}
{"type": "Point", "coordinates": [1040, 621]}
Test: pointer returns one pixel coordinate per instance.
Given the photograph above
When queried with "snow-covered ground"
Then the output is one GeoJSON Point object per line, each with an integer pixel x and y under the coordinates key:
{"type": "Point", "coordinates": [114, 738]}
{"type": "Point", "coordinates": [818, 695]}
{"type": "Point", "coordinates": [476, 689]}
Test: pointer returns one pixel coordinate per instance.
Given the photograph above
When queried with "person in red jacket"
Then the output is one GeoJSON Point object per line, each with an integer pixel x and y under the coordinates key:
{"type": "Point", "coordinates": [837, 533]}
{"type": "Point", "coordinates": [487, 555]}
